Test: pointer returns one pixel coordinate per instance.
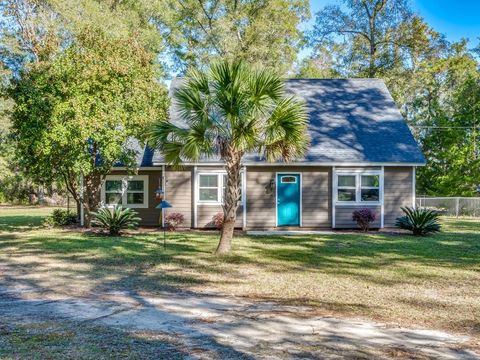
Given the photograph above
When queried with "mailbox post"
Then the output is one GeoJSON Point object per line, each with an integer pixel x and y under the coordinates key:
{"type": "Point", "coordinates": [164, 205]}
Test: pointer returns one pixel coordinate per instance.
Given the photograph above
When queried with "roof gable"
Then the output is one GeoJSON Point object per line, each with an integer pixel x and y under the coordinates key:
{"type": "Point", "coordinates": [354, 120]}
{"type": "Point", "coordinates": [351, 121]}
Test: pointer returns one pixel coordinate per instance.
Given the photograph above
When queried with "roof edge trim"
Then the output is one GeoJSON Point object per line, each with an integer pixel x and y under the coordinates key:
{"type": "Point", "coordinates": [301, 164]}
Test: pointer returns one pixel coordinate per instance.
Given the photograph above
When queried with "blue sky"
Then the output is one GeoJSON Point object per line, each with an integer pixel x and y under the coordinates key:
{"type": "Point", "coordinates": [455, 19]}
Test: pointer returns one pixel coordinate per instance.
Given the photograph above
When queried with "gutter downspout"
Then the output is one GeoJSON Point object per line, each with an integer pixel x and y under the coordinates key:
{"type": "Point", "coordinates": [334, 196]}
{"type": "Point", "coordinates": [414, 187]}
{"type": "Point", "coordinates": [195, 197]}
{"type": "Point", "coordinates": [382, 198]}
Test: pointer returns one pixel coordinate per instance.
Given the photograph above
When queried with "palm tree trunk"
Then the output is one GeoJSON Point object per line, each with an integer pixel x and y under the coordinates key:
{"type": "Point", "coordinates": [225, 243]}
{"type": "Point", "coordinates": [231, 200]}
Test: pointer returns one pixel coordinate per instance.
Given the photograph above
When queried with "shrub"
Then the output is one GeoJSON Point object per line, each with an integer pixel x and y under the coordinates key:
{"type": "Point", "coordinates": [60, 217]}
{"type": "Point", "coordinates": [217, 220]}
{"type": "Point", "coordinates": [173, 220]}
{"type": "Point", "coordinates": [364, 217]}
{"type": "Point", "coordinates": [420, 221]}
{"type": "Point", "coordinates": [115, 220]}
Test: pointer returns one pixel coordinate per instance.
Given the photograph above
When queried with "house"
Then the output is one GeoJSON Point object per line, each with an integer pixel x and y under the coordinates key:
{"type": "Point", "coordinates": [362, 155]}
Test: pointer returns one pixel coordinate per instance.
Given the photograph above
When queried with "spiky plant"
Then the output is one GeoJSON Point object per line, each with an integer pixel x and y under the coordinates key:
{"type": "Point", "coordinates": [420, 221]}
{"type": "Point", "coordinates": [229, 111]}
{"type": "Point", "coordinates": [116, 219]}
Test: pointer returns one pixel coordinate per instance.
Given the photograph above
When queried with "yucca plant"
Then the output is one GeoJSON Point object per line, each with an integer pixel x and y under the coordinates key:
{"type": "Point", "coordinates": [116, 219]}
{"type": "Point", "coordinates": [420, 221]}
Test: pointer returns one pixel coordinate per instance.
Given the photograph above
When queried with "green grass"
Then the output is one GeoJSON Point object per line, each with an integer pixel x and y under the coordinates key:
{"type": "Point", "coordinates": [22, 218]}
{"type": "Point", "coordinates": [428, 282]}
{"type": "Point", "coordinates": [76, 340]}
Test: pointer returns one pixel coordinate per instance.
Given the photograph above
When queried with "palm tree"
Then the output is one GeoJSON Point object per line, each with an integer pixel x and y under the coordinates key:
{"type": "Point", "coordinates": [228, 111]}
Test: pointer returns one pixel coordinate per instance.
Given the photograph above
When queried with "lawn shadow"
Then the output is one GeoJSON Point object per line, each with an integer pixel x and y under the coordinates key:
{"type": "Point", "coordinates": [136, 262]}
{"type": "Point", "coordinates": [20, 223]}
{"type": "Point", "coordinates": [85, 328]}
{"type": "Point", "coordinates": [370, 251]}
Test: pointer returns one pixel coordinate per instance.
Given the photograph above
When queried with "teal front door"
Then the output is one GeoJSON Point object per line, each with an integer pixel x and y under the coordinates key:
{"type": "Point", "coordinates": [288, 199]}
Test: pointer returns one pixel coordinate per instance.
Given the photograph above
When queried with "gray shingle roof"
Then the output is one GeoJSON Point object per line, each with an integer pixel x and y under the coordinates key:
{"type": "Point", "coordinates": [354, 120]}
{"type": "Point", "coordinates": [351, 121]}
{"type": "Point", "coordinates": [145, 156]}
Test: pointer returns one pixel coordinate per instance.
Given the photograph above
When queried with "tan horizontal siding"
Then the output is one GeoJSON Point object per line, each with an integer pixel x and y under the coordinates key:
{"type": "Point", "coordinates": [397, 192]}
{"type": "Point", "coordinates": [343, 216]}
{"type": "Point", "coordinates": [149, 216]}
{"type": "Point", "coordinates": [179, 193]}
{"type": "Point", "coordinates": [260, 201]}
{"type": "Point", "coordinates": [316, 189]}
{"type": "Point", "coordinates": [210, 168]}
{"type": "Point", "coordinates": [205, 214]}
{"type": "Point", "coordinates": [261, 206]}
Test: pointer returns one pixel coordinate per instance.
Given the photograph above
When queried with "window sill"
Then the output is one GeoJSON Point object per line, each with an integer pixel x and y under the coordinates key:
{"type": "Point", "coordinates": [240, 203]}
{"type": "Point", "coordinates": [136, 206]}
{"type": "Point", "coordinates": [212, 203]}
{"type": "Point", "coordinates": [354, 203]}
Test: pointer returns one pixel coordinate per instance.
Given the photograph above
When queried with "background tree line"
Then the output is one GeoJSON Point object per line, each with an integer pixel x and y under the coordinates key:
{"type": "Point", "coordinates": [83, 77]}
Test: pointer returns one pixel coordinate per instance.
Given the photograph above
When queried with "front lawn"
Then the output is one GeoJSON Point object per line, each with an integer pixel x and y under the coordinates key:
{"type": "Point", "coordinates": [427, 282]}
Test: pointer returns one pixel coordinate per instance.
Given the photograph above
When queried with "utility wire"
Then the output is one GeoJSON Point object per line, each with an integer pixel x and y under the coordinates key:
{"type": "Point", "coordinates": [444, 127]}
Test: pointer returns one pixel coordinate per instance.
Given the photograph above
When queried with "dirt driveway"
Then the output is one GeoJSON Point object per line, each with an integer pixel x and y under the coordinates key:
{"type": "Point", "coordinates": [199, 326]}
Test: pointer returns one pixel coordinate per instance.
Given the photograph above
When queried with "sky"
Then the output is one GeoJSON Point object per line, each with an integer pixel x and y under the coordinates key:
{"type": "Point", "coordinates": [454, 18]}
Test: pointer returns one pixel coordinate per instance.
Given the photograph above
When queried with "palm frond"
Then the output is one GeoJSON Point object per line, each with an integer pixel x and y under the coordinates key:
{"type": "Point", "coordinates": [164, 131]}
{"type": "Point", "coordinates": [229, 91]}
{"type": "Point", "coordinates": [198, 142]}
{"type": "Point", "coordinates": [264, 84]}
{"type": "Point", "coordinates": [236, 108]}
{"type": "Point", "coordinates": [198, 81]}
{"type": "Point", "coordinates": [285, 131]}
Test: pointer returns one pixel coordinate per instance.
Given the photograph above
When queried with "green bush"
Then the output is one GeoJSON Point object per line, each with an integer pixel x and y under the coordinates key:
{"type": "Point", "coordinates": [115, 220]}
{"type": "Point", "coordinates": [60, 217]}
{"type": "Point", "coordinates": [420, 221]}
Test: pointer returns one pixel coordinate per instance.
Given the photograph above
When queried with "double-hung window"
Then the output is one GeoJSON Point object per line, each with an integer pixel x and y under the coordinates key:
{"type": "Point", "coordinates": [128, 191]}
{"type": "Point", "coordinates": [357, 188]}
{"type": "Point", "coordinates": [370, 188]}
{"type": "Point", "coordinates": [347, 188]}
{"type": "Point", "coordinates": [113, 192]}
{"type": "Point", "coordinates": [211, 187]}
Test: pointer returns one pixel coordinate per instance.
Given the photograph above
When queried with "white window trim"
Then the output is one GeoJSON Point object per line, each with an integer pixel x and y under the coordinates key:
{"type": "Point", "coordinates": [125, 179]}
{"type": "Point", "coordinates": [358, 187]}
{"type": "Point", "coordinates": [220, 174]}
{"type": "Point", "coordinates": [219, 188]}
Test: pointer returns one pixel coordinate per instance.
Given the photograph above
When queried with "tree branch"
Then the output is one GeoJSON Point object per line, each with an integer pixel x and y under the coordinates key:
{"type": "Point", "coordinates": [209, 36]}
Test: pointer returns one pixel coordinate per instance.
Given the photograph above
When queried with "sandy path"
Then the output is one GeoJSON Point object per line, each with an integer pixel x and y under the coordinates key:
{"type": "Point", "coordinates": [236, 328]}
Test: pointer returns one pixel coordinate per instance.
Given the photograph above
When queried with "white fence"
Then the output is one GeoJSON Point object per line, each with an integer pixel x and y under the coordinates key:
{"type": "Point", "coordinates": [452, 206]}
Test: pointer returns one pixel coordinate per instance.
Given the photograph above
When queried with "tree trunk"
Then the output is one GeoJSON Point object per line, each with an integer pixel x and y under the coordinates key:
{"type": "Point", "coordinates": [87, 213]}
{"type": "Point", "coordinates": [91, 199]}
{"type": "Point", "coordinates": [371, 60]}
{"type": "Point", "coordinates": [231, 198]}
{"type": "Point", "coordinates": [225, 244]}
